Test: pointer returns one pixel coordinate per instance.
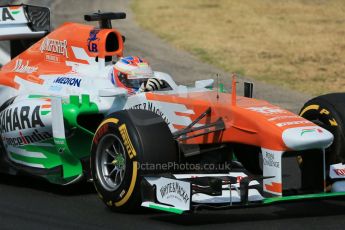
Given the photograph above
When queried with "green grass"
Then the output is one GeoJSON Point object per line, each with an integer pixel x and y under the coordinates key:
{"type": "Point", "coordinates": [292, 43]}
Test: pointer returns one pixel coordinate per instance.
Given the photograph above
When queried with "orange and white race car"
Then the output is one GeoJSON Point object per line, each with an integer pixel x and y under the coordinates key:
{"type": "Point", "coordinates": [73, 108]}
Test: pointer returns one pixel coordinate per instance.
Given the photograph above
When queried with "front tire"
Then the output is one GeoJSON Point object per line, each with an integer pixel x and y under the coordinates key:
{"type": "Point", "coordinates": [328, 111]}
{"type": "Point", "coordinates": [124, 143]}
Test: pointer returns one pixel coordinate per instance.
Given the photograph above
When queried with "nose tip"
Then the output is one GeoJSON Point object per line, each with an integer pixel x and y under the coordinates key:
{"type": "Point", "coordinates": [310, 137]}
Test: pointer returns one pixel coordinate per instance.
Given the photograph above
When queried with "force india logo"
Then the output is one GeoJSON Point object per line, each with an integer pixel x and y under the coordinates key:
{"type": "Point", "coordinates": [313, 130]}
{"type": "Point", "coordinates": [54, 46]}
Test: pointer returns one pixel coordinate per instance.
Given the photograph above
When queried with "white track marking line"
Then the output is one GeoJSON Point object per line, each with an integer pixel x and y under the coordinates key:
{"type": "Point", "coordinates": [4, 57]}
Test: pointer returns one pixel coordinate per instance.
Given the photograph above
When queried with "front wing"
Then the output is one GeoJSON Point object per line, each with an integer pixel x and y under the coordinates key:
{"type": "Point", "coordinates": [183, 193]}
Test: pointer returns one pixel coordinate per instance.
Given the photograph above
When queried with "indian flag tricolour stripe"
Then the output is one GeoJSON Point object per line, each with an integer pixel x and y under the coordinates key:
{"type": "Point", "coordinates": [15, 9]}
{"type": "Point", "coordinates": [45, 109]}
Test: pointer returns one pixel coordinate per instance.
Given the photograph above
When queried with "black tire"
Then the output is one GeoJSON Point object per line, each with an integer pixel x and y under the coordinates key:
{"type": "Point", "coordinates": [249, 156]}
{"type": "Point", "coordinates": [144, 137]}
{"type": "Point", "coordinates": [328, 111]}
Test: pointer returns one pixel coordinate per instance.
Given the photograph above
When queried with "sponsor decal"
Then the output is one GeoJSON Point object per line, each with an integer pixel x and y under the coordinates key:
{"type": "Point", "coordinates": [282, 117]}
{"type": "Point", "coordinates": [6, 14]}
{"type": "Point", "coordinates": [19, 118]}
{"type": "Point", "coordinates": [21, 139]}
{"type": "Point", "coordinates": [127, 141]}
{"type": "Point", "coordinates": [91, 41]}
{"type": "Point", "coordinates": [150, 107]}
{"type": "Point", "coordinates": [54, 46]}
{"type": "Point", "coordinates": [22, 67]}
{"type": "Point", "coordinates": [60, 143]}
{"type": "Point", "coordinates": [174, 190]}
{"type": "Point", "coordinates": [72, 81]}
{"type": "Point", "coordinates": [52, 58]}
{"type": "Point", "coordinates": [267, 110]}
{"type": "Point", "coordinates": [288, 123]}
{"type": "Point", "coordinates": [304, 131]}
{"type": "Point", "coordinates": [272, 167]}
{"type": "Point", "coordinates": [174, 114]}
{"type": "Point", "coordinates": [339, 172]}
{"type": "Point", "coordinates": [269, 160]}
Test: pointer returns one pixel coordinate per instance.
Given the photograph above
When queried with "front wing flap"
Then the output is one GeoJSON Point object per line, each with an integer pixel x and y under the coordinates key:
{"type": "Point", "coordinates": [185, 192]}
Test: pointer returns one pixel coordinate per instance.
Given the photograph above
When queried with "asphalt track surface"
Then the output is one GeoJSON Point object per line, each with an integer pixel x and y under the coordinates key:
{"type": "Point", "coordinates": [27, 203]}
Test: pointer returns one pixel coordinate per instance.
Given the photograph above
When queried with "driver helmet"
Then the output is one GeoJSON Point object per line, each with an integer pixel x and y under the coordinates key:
{"type": "Point", "coordinates": [131, 72]}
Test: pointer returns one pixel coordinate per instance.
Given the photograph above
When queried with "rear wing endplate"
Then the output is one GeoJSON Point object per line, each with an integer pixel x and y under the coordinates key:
{"type": "Point", "coordinates": [23, 22]}
{"type": "Point", "coordinates": [23, 25]}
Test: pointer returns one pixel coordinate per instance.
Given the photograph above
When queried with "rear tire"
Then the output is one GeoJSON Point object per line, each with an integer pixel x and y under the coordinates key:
{"type": "Point", "coordinates": [328, 111]}
{"type": "Point", "coordinates": [123, 143]}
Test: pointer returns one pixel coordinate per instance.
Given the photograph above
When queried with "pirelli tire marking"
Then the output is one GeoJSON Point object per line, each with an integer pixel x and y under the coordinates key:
{"type": "Point", "coordinates": [127, 141]}
{"type": "Point", "coordinates": [125, 193]}
{"type": "Point", "coordinates": [321, 111]}
{"type": "Point", "coordinates": [131, 187]}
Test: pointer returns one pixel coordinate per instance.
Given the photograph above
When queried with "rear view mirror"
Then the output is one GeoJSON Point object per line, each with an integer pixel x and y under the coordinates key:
{"type": "Point", "coordinates": [248, 89]}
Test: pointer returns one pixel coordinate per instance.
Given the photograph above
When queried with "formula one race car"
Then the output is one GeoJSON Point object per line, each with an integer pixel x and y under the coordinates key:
{"type": "Point", "coordinates": [65, 117]}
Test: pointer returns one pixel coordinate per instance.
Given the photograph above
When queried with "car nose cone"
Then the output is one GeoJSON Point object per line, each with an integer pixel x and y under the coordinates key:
{"type": "Point", "coordinates": [310, 137]}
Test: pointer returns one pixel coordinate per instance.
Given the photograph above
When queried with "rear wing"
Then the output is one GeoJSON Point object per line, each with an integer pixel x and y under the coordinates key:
{"type": "Point", "coordinates": [23, 25]}
{"type": "Point", "coordinates": [23, 22]}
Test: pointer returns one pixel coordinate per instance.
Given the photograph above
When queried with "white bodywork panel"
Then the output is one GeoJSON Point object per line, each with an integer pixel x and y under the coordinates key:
{"type": "Point", "coordinates": [272, 167]}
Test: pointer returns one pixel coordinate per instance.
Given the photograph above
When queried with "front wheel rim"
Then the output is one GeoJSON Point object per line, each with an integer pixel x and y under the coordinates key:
{"type": "Point", "coordinates": [110, 162]}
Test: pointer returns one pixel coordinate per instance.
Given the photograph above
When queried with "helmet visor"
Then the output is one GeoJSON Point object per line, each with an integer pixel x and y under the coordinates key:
{"type": "Point", "coordinates": [131, 81]}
